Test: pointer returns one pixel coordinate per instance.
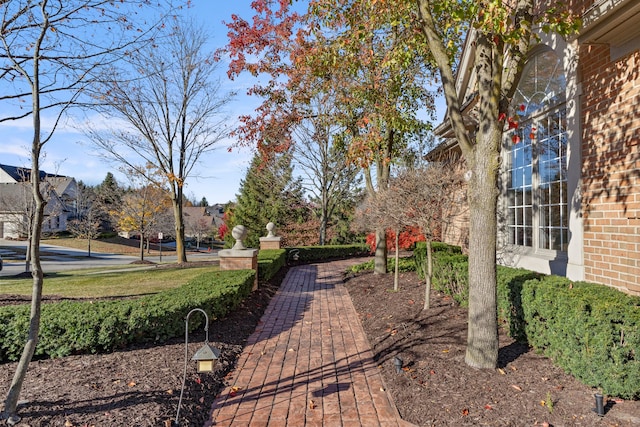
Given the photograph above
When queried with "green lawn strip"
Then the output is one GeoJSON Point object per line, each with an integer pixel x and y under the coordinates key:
{"type": "Point", "coordinates": [93, 284]}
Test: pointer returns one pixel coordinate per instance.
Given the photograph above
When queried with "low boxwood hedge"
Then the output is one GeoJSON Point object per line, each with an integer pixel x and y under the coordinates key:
{"type": "Point", "coordinates": [270, 261]}
{"type": "Point", "coordinates": [324, 253]}
{"type": "Point", "coordinates": [72, 327]}
{"type": "Point", "coordinates": [591, 331]}
{"type": "Point", "coordinates": [450, 269]}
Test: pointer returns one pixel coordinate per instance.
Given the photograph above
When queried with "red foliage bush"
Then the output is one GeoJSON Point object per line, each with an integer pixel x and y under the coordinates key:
{"type": "Point", "coordinates": [408, 238]}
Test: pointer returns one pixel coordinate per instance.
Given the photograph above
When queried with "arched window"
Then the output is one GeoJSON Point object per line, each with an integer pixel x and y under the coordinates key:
{"type": "Point", "coordinates": [536, 166]}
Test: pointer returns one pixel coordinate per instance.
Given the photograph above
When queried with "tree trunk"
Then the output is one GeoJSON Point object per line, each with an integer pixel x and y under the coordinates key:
{"type": "Point", "coordinates": [11, 402]}
{"type": "Point", "coordinates": [396, 273]}
{"type": "Point", "coordinates": [380, 259]}
{"type": "Point", "coordinates": [181, 251]}
{"type": "Point", "coordinates": [323, 227]}
{"type": "Point", "coordinates": [428, 272]}
{"type": "Point", "coordinates": [482, 338]}
{"type": "Point", "coordinates": [141, 247]}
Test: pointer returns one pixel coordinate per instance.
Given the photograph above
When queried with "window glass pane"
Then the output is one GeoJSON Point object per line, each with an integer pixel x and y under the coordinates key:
{"type": "Point", "coordinates": [527, 173]}
{"type": "Point", "coordinates": [544, 238]}
{"type": "Point", "coordinates": [536, 162]}
{"type": "Point", "coordinates": [528, 197]}
{"type": "Point", "coordinates": [528, 238]}
{"type": "Point", "coordinates": [528, 216]}
{"type": "Point", "coordinates": [542, 83]}
{"type": "Point", "coordinates": [556, 235]}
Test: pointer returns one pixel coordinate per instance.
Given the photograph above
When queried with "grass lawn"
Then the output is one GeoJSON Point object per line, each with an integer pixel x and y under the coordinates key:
{"type": "Point", "coordinates": [112, 245]}
{"type": "Point", "coordinates": [124, 280]}
{"type": "Point", "coordinates": [96, 283]}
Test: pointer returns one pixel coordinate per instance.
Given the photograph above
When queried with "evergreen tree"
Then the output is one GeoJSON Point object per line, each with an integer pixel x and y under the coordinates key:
{"type": "Point", "coordinates": [268, 193]}
{"type": "Point", "coordinates": [108, 195]}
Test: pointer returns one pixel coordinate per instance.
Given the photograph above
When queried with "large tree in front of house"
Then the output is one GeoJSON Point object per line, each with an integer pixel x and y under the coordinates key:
{"type": "Point", "coordinates": [174, 111]}
{"type": "Point", "coordinates": [51, 52]}
{"type": "Point", "coordinates": [367, 63]}
{"type": "Point", "coordinates": [501, 33]}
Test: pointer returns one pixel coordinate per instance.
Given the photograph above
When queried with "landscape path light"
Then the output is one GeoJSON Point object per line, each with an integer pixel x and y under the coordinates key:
{"type": "Point", "coordinates": [599, 409]}
{"type": "Point", "coordinates": [205, 357]}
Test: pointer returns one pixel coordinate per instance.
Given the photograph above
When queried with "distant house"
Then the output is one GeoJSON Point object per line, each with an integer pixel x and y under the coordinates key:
{"type": "Point", "coordinates": [570, 180]}
{"type": "Point", "coordinates": [199, 221]}
{"type": "Point", "coordinates": [16, 205]}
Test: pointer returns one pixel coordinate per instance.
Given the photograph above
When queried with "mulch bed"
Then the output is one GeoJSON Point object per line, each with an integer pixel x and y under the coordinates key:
{"type": "Point", "coordinates": [141, 386]}
{"type": "Point", "coordinates": [436, 387]}
{"type": "Point", "coordinates": [137, 386]}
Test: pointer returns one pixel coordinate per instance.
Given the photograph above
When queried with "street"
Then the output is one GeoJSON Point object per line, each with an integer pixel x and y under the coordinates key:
{"type": "Point", "coordinates": [60, 258]}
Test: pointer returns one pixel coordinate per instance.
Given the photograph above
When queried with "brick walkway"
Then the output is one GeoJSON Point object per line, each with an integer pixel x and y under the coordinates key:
{"type": "Point", "coordinates": [309, 362]}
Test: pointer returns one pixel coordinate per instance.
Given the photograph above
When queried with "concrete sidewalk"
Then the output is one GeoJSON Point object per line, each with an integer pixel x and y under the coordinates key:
{"type": "Point", "coordinates": [309, 362]}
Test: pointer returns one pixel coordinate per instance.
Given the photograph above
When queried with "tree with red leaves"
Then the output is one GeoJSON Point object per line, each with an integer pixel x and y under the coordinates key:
{"type": "Point", "coordinates": [369, 62]}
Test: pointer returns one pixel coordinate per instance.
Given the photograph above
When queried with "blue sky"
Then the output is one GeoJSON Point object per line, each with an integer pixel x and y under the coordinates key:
{"type": "Point", "coordinates": [219, 173]}
{"type": "Point", "coordinates": [71, 153]}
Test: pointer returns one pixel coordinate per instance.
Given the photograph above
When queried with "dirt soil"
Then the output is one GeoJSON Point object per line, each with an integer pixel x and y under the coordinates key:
{"type": "Point", "coordinates": [141, 386]}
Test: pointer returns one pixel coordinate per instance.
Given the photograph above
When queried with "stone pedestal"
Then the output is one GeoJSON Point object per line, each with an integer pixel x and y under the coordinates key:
{"type": "Point", "coordinates": [270, 242]}
{"type": "Point", "coordinates": [240, 259]}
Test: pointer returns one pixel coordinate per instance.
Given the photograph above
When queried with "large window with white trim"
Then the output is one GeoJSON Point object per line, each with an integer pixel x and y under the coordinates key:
{"type": "Point", "coordinates": [536, 159]}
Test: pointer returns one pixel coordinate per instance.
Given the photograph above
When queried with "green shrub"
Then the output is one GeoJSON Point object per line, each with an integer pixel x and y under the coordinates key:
{"type": "Point", "coordinates": [324, 253]}
{"type": "Point", "coordinates": [437, 248]}
{"type": "Point", "coordinates": [450, 269]}
{"type": "Point", "coordinates": [270, 261]}
{"type": "Point", "coordinates": [510, 311]}
{"type": "Point", "coordinates": [451, 276]}
{"type": "Point", "coordinates": [591, 331]}
{"type": "Point", "coordinates": [405, 264]}
{"type": "Point", "coordinates": [14, 324]}
{"type": "Point", "coordinates": [94, 327]}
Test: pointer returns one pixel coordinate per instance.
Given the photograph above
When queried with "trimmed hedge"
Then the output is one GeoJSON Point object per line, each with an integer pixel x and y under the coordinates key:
{"type": "Point", "coordinates": [510, 310]}
{"type": "Point", "coordinates": [324, 253]}
{"type": "Point", "coordinates": [450, 269]}
{"type": "Point", "coordinates": [405, 264]}
{"type": "Point", "coordinates": [591, 331]}
{"type": "Point", "coordinates": [270, 261]}
{"type": "Point", "coordinates": [71, 327]}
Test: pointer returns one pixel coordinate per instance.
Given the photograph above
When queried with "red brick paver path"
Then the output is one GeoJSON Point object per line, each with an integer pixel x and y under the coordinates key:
{"type": "Point", "coordinates": [309, 362]}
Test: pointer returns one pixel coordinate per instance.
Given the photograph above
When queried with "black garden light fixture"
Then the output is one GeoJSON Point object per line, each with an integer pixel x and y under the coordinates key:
{"type": "Point", "coordinates": [205, 357]}
{"type": "Point", "coordinates": [599, 409]}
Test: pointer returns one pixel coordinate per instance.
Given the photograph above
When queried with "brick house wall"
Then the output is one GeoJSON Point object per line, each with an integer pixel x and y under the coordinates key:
{"type": "Point", "coordinates": [602, 68]}
{"type": "Point", "coordinates": [611, 166]}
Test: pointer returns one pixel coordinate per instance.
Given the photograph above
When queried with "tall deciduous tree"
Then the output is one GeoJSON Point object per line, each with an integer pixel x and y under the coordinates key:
{"type": "Point", "coordinates": [89, 215]}
{"type": "Point", "coordinates": [368, 62]}
{"type": "Point", "coordinates": [173, 110]}
{"type": "Point", "coordinates": [330, 178]}
{"type": "Point", "coordinates": [501, 32]}
{"type": "Point", "coordinates": [51, 50]}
